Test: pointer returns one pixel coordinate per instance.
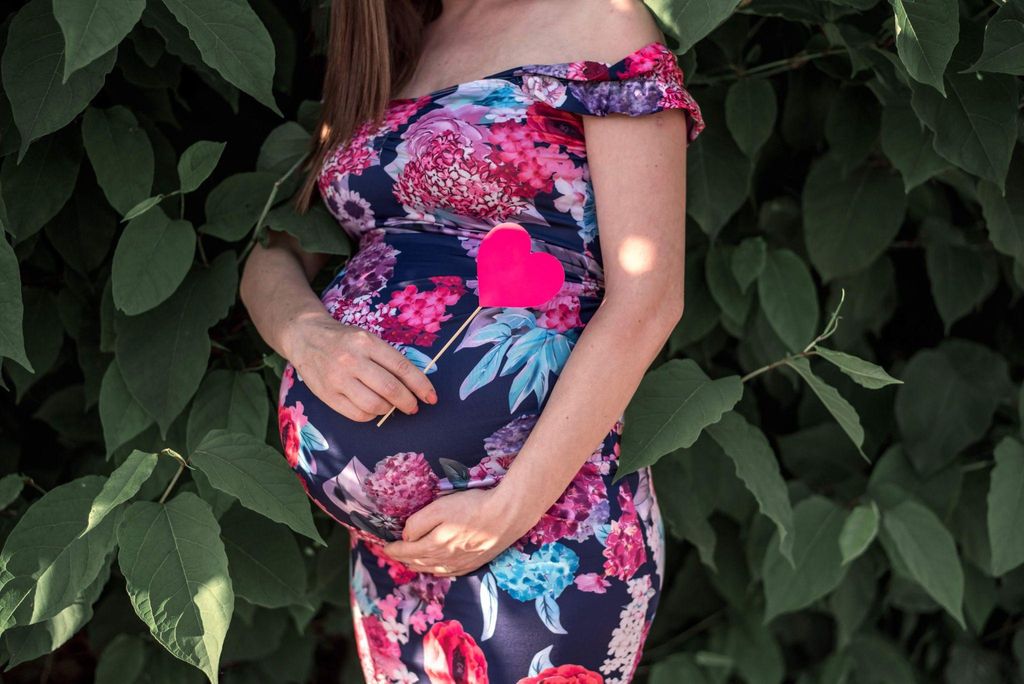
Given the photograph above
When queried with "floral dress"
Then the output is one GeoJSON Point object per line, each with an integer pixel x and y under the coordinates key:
{"type": "Point", "coordinates": [573, 599]}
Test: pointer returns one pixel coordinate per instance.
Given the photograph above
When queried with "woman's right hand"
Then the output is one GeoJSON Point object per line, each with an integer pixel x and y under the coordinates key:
{"type": "Point", "coordinates": [353, 371]}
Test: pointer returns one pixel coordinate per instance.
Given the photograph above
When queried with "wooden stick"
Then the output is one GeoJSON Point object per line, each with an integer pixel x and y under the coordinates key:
{"type": "Point", "coordinates": [437, 356]}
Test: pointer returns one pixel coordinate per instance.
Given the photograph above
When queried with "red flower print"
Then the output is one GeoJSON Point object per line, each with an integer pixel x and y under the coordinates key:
{"type": "Point", "coordinates": [560, 313]}
{"type": "Point", "coordinates": [450, 656]}
{"type": "Point", "coordinates": [585, 70]}
{"type": "Point", "coordinates": [624, 549]}
{"type": "Point", "coordinates": [557, 126]}
{"type": "Point", "coordinates": [564, 674]}
{"type": "Point", "coordinates": [290, 420]}
{"type": "Point", "coordinates": [398, 571]}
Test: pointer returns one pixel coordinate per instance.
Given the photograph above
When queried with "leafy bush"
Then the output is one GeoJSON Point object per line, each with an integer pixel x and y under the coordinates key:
{"type": "Point", "coordinates": [856, 203]}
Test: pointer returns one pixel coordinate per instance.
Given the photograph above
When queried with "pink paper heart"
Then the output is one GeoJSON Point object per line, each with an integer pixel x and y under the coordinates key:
{"type": "Point", "coordinates": [509, 274]}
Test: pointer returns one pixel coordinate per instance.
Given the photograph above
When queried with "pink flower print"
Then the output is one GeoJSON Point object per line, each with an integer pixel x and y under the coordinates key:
{"type": "Point", "coordinates": [290, 420]}
{"type": "Point", "coordinates": [385, 652]}
{"type": "Point", "coordinates": [572, 196]}
{"type": "Point", "coordinates": [575, 512]}
{"type": "Point", "coordinates": [401, 484]}
{"type": "Point", "coordinates": [649, 58]}
{"type": "Point", "coordinates": [389, 607]}
{"type": "Point", "coordinates": [399, 572]}
{"type": "Point", "coordinates": [560, 313]}
{"type": "Point", "coordinates": [592, 582]}
{"type": "Point", "coordinates": [402, 110]}
{"type": "Point", "coordinates": [624, 547]}
{"type": "Point", "coordinates": [287, 382]}
{"type": "Point", "coordinates": [352, 157]}
{"type": "Point", "coordinates": [544, 88]}
{"type": "Point", "coordinates": [420, 314]}
{"type": "Point", "coordinates": [585, 70]}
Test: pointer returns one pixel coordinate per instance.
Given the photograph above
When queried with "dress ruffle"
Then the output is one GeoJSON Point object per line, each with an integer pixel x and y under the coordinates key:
{"type": "Point", "coordinates": [646, 81]}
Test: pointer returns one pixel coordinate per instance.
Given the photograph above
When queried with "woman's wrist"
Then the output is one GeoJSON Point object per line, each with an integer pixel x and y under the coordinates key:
{"type": "Point", "coordinates": [518, 501]}
{"type": "Point", "coordinates": [296, 329]}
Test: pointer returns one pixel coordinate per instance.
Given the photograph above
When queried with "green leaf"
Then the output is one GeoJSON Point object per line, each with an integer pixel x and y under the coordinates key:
{"type": "Point", "coordinates": [44, 336]}
{"type": "Point", "coordinates": [229, 400]}
{"type": "Point", "coordinates": [840, 408]}
{"type": "Point", "coordinates": [177, 574]}
{"type": "Point", "coordinates": [864, 373]}
{"type": "Point", "coordinates": [234, 206]}
{"type": "Point", "coordinates": [46, 562]}
{"type": "Point", "coordinates": [33, 67]}
{"type": "Point", "coordinates": [1004, 213]}
{"type": "Point", "coordinates": [258, 476]}
{"type": "Point", "coordinates": [818, 567]}
{"type": "Point", "coordinates": [758, 467]}
{"type": "Point", "coordinates": [232, 40]}
{"type": "Point", "coordinates": [1004, 41]}
{"type": "Point", "coordinates": [121, 155]}
{"type": "Point", "coordinates": [789, 298]}
{"type": "Point", "coordinates": [284, 147]}
{"type": "Point", "coordinates": [748, 261]}
{"type": "Point", "coordinates": [83, 232]}
{"type": "Point", "coordinates": [122, 417]}
{"type": "Point", "coordinates": [750, 113]}
{"type": "Point", "coordinates": [36, 189]}
{"type": "Point", "coordinates": [850, 220]}
{"type": "Point", "coordinates": [907, 143]}
{"type": "Point", "coordinates": [948, 400]}
{"type": "Point", "coordinates": [690, 20]}
{"type": "Point", "coordinates": [197, 163]}
{"type": "Point", "coordinates": [122, 485]}
{"type": "Point", "coordinates": [143, 206]}
{"type": "Point", "coordinates": [852, 126]}
{"type": "Point", "coordinates": [267, 568]}
{"type": "Point", "coordinates": [1006, 507]}
{"type": "Point", "coordinates": [859, 530]}
{"type": "Point", "coordinates": [962, 276]}
{"type": "Point", "coordinates": [151, 260]}
{"type": "Point", "coordinates": [914, 536]}
{"type": "Point", "coordinates": [926, 33]}
{"type": "Point", "coordinates": [122, 660]}
{"type": "Point", "coordinates": [10, 488]}
{"type": "Point", "coordinates": [12, 311]}
{"type": "Point", "coordinates": [975, 127]}
{"type": "Point", "coordinates": [163, 352]}
{"type": "Point", "coordinates": [93, 27]}
{"type": "Point", "coordinates": [671, 407]}
{"type": "Point", "coordinates": [686, 511]}
{"type": "Point", "coordinates": [734, 302]}
{"type": "Point", "coordinates": [718, 179]}
{"type": "Point", "coordinates": [316, 230]}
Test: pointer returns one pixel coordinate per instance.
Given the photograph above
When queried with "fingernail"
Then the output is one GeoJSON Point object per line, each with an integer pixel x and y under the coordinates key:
{"type": "Point", "coordinates": [416, 408]}
{"type": "Point", "coordinates": [432, 397]}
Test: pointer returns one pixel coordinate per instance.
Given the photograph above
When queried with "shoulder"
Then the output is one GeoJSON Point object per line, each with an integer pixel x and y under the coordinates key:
{"type": "Point", "coordinates": [605, 30]}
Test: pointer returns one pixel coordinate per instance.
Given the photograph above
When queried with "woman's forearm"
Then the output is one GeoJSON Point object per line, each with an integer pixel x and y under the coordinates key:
{"type": "Point", "coordinates": [275, 289]}
{"type": "Point", "coordinates": [595, 385]}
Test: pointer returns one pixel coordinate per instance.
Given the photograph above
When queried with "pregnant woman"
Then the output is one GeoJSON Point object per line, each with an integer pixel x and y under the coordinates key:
{"type": "Point", "coordinates": [489, 542]}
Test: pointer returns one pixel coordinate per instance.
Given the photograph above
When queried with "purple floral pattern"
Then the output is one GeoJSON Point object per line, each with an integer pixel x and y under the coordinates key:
{"type": "Point", "coordinates": [417, 190]}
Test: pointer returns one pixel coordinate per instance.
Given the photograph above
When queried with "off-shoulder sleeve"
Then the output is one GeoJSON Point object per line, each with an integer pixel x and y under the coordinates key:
{"type": "Point", "coordinates": [645, 81]}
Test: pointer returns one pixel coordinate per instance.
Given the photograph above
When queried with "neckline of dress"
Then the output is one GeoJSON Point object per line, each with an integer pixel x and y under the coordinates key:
{"type": "Point", "coordinates": [498, 74]}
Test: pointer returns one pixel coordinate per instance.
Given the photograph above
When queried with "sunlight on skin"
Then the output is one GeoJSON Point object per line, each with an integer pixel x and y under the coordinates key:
{"type": "Point", "coordinates": [636, 255]}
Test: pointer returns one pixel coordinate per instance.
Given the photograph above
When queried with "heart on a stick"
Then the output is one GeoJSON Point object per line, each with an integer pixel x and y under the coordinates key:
{"type": "Point", "coordinates": [509, 274]}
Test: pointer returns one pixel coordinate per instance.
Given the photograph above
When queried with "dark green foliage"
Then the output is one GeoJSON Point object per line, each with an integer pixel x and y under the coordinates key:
{"type": "Point", "coordinates": [835, 424]}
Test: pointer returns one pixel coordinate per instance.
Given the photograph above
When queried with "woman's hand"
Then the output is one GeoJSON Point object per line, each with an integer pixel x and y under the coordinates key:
{"type": "Point", "coordinates": [457, 533]}
{"type": "Point", "coordinates": [353, 371]}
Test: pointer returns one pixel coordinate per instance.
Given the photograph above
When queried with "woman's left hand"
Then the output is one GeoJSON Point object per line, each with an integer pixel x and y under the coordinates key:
{"type": "Point", "coordinates": [457, 533]}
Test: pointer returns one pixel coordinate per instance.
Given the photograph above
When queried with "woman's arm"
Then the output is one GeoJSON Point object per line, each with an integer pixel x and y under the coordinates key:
{"type": "Point", "coordinates": [638, 169]}
{"type": "Point", "coordinates": [353, 371]}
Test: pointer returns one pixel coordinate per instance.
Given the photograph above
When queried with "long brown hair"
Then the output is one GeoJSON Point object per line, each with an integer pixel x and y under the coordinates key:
{"type": "Point", "coordinates": [372, 50]}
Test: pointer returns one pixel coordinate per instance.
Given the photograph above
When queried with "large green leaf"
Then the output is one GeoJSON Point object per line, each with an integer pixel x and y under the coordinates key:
{"type": "Point", "coordinates": [962, 276]}
{"type": "Point", "coordinates": [316, 230]}
{"type": "Point", "coordinates": [864, 373]}
{"type": "Point", "coordinates": [122, 660]}
{"type": "Point", "coordinates": [859, 530]}
{"type": "Point", "coordinates": [926, 33]}
{"type": "Point", "coordinates": [93, 27]}
{"type": "Point", "coordinates": [717, 179]}
{"type": "Point", "coordinates": [690, 20]}
{"type": "Point", "coordinates": [176, 569]}
{"type": "Point", "coordinates": [818, 567]}
{"type": "Point", "coordinates": [850, 220]}
{"type": "Point", "coordinates": [267, 568]}
{"type": "Point", "coordinates": [1004, 212]}
{"type": "Point", "coordinates": [36, 189]}
{"type": "Point", "coordinates": [234, 206]}
{"type": "Point", "coordinates": [12, 311]}
{"type": "Point", "coordinates": [229, 400]}
{"type": "Point", "coordinates": [789, 298]}
{"type": "Point", "coordinates": [915, 537]}
{"type": "Point", "coordinates": [33, 70]}
{"type": "Point", "coordinates": [122, 485]}
{"type": "Point", "coordinates": [757, 466]}
{"type": "Point", "coordinates": [151, 260]}
{"type": "Point", "coordinates": [197, 163]}
{"type": "Point", "coordinates": [284, 147]}
{"type": "Point", "coordinates": [46, 561]}
{"type": "Point", "coordinates": [976, 125]}
{"type": "Point", "coordinates": [750, 113]}
{"type": "Point", "coordinates": [258, 476]}
{"type": "Point", "coordinates": [121, 155]}
{"type": "Point", "coordinates": [947, 400]}
{"type": "Point", "coordinates": [1004, 41]}
{"type": "Point", "coordinates": [908, 144]}
{"type": "Point", "coordinates": [671, 407]}
{"type": "Point", "coordinates": [232, 40]}
{"type": "Point", "coordinates": [1006, 507]}
{"type": "Point", "coordinates": [163, 352]}
{"type": "Point", "coordinates": [44, 336]}
{"type": "Point", "coordinates": [686, 511]}
{"type": "Point", "coordinates": [123, 418]}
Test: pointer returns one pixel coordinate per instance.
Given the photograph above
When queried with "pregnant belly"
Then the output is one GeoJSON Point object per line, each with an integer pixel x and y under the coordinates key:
{"type": "Point", "coordinates": [492, 383]}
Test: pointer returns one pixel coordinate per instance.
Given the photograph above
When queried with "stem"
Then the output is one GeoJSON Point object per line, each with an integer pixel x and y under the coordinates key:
{"type": "Point", "coordinates": [34, 485]}
{"type": "Point", "coordinates": [766, 69]}
{"type": "Point", "coordinates": [775, 364]}
{"type": "Point", "coordinates": [182, 464]}
{"type": "Point", "coordinates": [266, 208]}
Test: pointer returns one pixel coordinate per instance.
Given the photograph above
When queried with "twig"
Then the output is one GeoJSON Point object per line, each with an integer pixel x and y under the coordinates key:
{"type": "Point", "coordinates": [266, 208]}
